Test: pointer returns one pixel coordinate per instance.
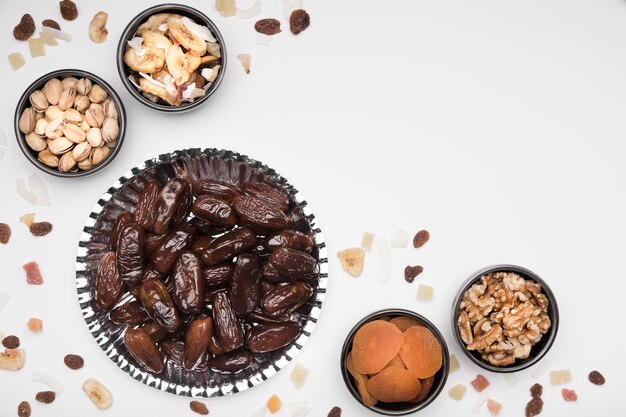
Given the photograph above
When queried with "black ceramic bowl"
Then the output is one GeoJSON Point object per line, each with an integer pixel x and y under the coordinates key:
{"type": "Point", "coordinates": [397, 409]}
{"type": "Point", "coordinates": [539, 350]}
{"type": "Point", "coordinates": [183, 10]}
{"type": "Point", "coordinates": [37, 85]}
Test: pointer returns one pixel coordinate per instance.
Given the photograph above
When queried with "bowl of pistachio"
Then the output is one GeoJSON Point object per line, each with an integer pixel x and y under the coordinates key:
{"type": "Point", "coordinates": [70, 123]}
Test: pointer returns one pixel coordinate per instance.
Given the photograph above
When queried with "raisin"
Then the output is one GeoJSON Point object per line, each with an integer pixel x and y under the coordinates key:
{"type": "Point", "coordinates": [596, 378]}
{"type": "Point", "coordinates": [11, 342]}
{"type": "Point", "coordinates": [45, 397]}
{"type": "Point", "coordinates": [198, 407]}
{"type": "Point", "coordinates": [74, 361]}
{"type": "Point", "coordinates": [335, 412]}
{"type": "Point", "coordinates": [68, 9]}
{"type": "Point", "coordinates": [267, 26]}
{"type": "Point", "coordinates": [51, 24]}
{"type": "Point", "coordinates": [421, 238]}
{"type": "Point", "coordinates": [534, 407]}
{"type": "Point", "coordinates": [410, 272]}
{"type": "Point", "coordinates": [23, 409]}
{"type": "Point", "coordinates": [5, 233]}
{"type": "Point", "coordinates": [40, 228]}
{"type": "Point", "coordinates": [25, 28]}
{"type": "Point", "coordinates": [536, 391]}
{"type": "Point", "coordinates": [299, 21]}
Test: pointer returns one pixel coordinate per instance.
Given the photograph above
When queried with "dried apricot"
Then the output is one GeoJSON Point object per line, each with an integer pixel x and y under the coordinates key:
{"type": "Point", "coordinates": [404, 322]}
{"type": "Point", "coordinates": [393, 385]}
{"type": "Point", "coordinates": [427, 385]}
{"type": "Point", "coordinates": [397, 362]}
{"type": "Point", "coordinates": [361, 383]}
{"type": "Point", "coordinates": [421, 352]}
{"type": "Point", "coordinates": [374, 345]}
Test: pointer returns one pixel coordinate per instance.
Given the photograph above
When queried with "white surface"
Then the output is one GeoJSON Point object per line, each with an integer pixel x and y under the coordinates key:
{"type": "Point", "coordinates": [497, 125]}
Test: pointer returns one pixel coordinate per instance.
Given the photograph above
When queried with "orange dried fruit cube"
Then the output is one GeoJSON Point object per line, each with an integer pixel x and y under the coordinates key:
{"type": "Point", "coordinates": [421, 352]}
{"type": "Point", "coordinates": [397, 362]}
{"type": "Point", "coordinates": [393, 385]}
{"type": "Point", "coordinates": [404, 322]}
{"type": "Point", "coordinates": [374, 345]}
{"type": "Point", "coordinates": [361, 383]}
{"type": "Point", "coordinates": [35, 325]}
{"type": "Point", "coordinates": [274, 404]}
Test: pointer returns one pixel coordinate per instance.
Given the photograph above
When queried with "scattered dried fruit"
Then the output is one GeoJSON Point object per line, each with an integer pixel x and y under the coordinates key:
{"type": "Point", "coordinates": [410, 272]}
{"type": "Point", "coordinates": [494, 407]}
{"type": "Point", "coordinates": [48, 379]}
{"type": "Point", "coordinates": [246, 60]}
{"type": "Point", "coordinates": [97, 27]}
{"type": "Point", "coordinates": [35, 325]}
{"type": "Point", "coordinates": [56, 34]}
{"type": "Point", "coordinates": [23, 409]}
{"type": "Point", "coordinates": [274, 404]}
{"type": "Point", "coordinates": [511, 380]}
{"type": "Point", "coordinates": [425, 292]}
{"type": "Point", "coordinates": [45, 397]}
{"type": "Point", "coordinates": [33, 275]}
{"type": "Point", "coordinates": [366, 241]}
{"type": "Point", "coordinates": [569, 395]}
{"type": "Point", "coordinates": [352, 260]}
{"type": "Point", "coordinates": [394, 384]}
{"type": "Point", "coordinates": [374, 345]}
{"type": "Point", "coordinates": [25, 28]}
{"type": "Point", "coordinates": [28, 219]}
{"type": "Point", "coordinates": [420, 238]}
{"type": "Point", "coordinates": [98, 393]}
{"type": "Point", "coordinates": [74, 361]}
{"type": "Point", "coordinates": [560, 377]}
{"type": "Point", "coordinates": [251, 11]}
{"type": "Point", "coordinates": [421, 352]}
{"type": "Point", "coordinates": [457, 392]}
{"type": "Point", "coordinates": [454, 363]}
{"type": "Point", "coordinates": [299, 21]}
{"type": "Point", "coordinates": [478, 403]}
{"type": "Point", "coordinates": [40, 228]}
{"type": "Point", "coordinates": [33, 190]}
{"type": "Point", "coordinates": [12, 359]}
{"type": "Point", "coordinates": [267, 26]}
{"type": "Point", "coordinates": [596, 378]}
{"type": "Point", "coordinates": [300, 408]}
{"type": "Point", "coordinates": [68, 8]}
{"type": "Point", "coordinates": [480, 383]}
{"type": "Point", "coordinates": [5, 233]}
{"type": "Point", "coordinates": [11, 342]}
{"type": "Point", "coordinates": [36, 47]}
{"type": "Point", "coordinates": [298, 375]}
{"type": "Point", "coordinates": [51, 24]}
{"type": "Point", "coordinates": [536, 390]}
{"type": "Point", "coordinates": [399, 239]}
{"type": "Point", "coordinates": [16, 60]}
{"type": "Point", "coordinates": [534, 407]}
{"type": "Point", "coordinates": [199, 408]}
{"type": "Point", "coordinates": [334, 412]}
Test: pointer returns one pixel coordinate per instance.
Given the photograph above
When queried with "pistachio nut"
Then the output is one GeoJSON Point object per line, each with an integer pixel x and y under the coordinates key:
{"type": "Point", "coordinates": [110, 109]}
{"type": "Point", "coordinates": [94, 115]}
{"type": "Point", "coordinates": [69, 82]}
{"type": "Point", "coordinates": [111, 145]}
{"type": "Point", "coordinates": [54, 129]}
{"type": "Point", "coordinates": [53, 89]}
{"type": "Point", "coordinates": [67, 162]}
{"type": "Point", "coordinates": [83, 86]}
{"type": "Point", "coordinates": [94, 137]}
{"type": "Point", "coordinates": [74, 133]}
{"type": "Point", "coordinates": [99, 155]}
{"type": "Point", "coordinates": [73, 116]}
{"type": "Point", "coordinates": [28, 119]}
{"type": "Point", "coordinates": [110, 129]}
{"type": "Point", "coordinates": [85, 126]}
{"type": "Point", "coordinates": [48, 158]}
{"type": "Point", "coordinates": [67, 98]}
{"type": "Point", "coordinates": [40, 127]}
{"type": "Point", "coordinates": [81, 151]}
{"type": "Point", "coordinates": [81, 103]}
{"type": "Point", "coordinates": [97, 94]}
{"type": "Point", "coordinates": [60, 146]}
{"type": "Point", "coordinates": [35, 142]}
{"type": "Point", "coordinates": [85, 164]}
{"type": "Point", "coordinates": [39, 101]}
{"type": "Point", "coordinates": [53, 112]}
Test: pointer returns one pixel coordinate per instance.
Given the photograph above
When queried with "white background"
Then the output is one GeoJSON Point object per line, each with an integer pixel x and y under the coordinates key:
{"type": "Point", "coordinates": [497, 125]}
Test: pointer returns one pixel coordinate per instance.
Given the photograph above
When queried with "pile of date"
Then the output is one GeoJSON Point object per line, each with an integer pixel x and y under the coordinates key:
{"type": "Point", "coordinates": [217, 274]}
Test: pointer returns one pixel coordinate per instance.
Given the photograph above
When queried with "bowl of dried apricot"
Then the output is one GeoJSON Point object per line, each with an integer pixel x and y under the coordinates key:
{"type": "Point", "coordinates": [505, 318]}
{"type": "Point", "coordinates": [395, 362]}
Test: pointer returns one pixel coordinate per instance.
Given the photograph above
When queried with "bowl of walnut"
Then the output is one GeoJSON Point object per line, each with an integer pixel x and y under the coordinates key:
{"type": "Point", "coordinates": [505, 318]}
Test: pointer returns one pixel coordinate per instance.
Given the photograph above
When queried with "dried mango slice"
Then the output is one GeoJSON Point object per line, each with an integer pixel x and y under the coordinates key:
{"type": "Point", "coordinates": [454, 363]}
{"type": "Point", "coordinates": [393, 385]}
{"type": "Point", "coordinates": [352, 260]}
{"type": "Point", "coordinates": [361, 383]}
{"type": "Point", "coordinates": [403, 322]}
{"type": "Point", "coordinates": [421, 352]}
{"type": "Point", "coordinates": [374, 345]}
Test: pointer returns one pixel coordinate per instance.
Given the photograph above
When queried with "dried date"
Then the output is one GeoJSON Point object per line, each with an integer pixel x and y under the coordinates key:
{"type": "Point", "coordinates": [271, 336]}
{"type": "Point", "coordinates": [214, 211]}
{"type": "Point", "coordinates": [131, 313]}
{"type": "Point", "coordinates": [156, 331]}
{"type": "Point", "coordinates": [109, 284]}
{"type": "Point", "coordinates": [268, 193]}
{"type": "Point", "coordinates": [227, 328]}
{"type": "Point", "coordinates": [245, 286]}
{"type": "Point", "coordinates": [146, 205]}
{"type": "Point", "coordinates": [188, 292]}
{"type": "Point", "coordinates": [197, 339]}
{"type": "Point", "coordinates": [164, 257]}
{"type": "Point", "coordinates": [130, 253]}
{"type": "Point", "coordinates": [122, 220]}
{"type": "Point", "coordinates": [229, 245]}
{"type": "Point", "coordinates": [259, 215]}
{"type": "Point", "coordinates": [294, 264]}
{"type": "Point", "coordinates": [218, 276]}
{"type": "Point", "coordinates": [159, 305]}
{"type": "Point", "coordinates": [285, 299]}
{"type": "Point", "coordinates": [167, 204]}
{"type": "Point", "coordinates": [290, 239]}
{"type": "Point", "coordinates": [232, 361]}
{"type": "Point", "coordinates": [144, 350]}
{"type": "Point", "coordinates": [271, 274]}
{"type": "Point", "coordinates": [216, 188]}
